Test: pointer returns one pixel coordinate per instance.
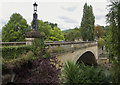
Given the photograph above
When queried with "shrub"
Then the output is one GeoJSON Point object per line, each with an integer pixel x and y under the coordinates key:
{"type": "Point", "coordinates": [70, 73]}
{"type": "Point", "coordinates": [90, 74]}
{"type": "Point", "coordinates": [73, 73]}
{"type": "Point", "coordinates": [37, 46]}
{"type": "Point", "coordinates": [24, 58]}
{"type": "Point", "coordinates": [14, 51]}
{"type": "Point", "coordinates": [28, 56]}
{"type": "Point", "coordinates": [48, 52]}
{"type": "Point", "coordinates": [57, 49]}
{"type": "Point", "coordinates": [101, 42]}
{"type": "Point", "coordinates": [44, 56]}
{"type": "Point", "coordinates": [116, 72]}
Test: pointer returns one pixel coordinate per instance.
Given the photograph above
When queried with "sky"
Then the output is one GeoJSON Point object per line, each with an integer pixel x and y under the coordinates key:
{"type": "Point", "coordinates": [66, 13]}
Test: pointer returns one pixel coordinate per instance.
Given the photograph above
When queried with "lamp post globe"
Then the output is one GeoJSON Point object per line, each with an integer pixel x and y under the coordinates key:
{"type": "Point", "coordinates": [35, 7]}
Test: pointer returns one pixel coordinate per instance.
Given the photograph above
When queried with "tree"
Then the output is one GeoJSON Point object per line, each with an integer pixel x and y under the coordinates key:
{"type": "Point", "coordinates": [73, 34]}
{"type": "Point", "coordinates": [107, 37]}
{"type": "Point", "coordinates": [51, 24]}
{"type": "Point", "coordinates": [101, 42]}
{"type": "Point", "coordinates": [57, 34]}
{"type": "Point", "coordinates": [51, 31]}
{"type": "Point", "coordinates": [15, 29]}
{"type": "Point", "coordinates": [113, 18]}
{"type": "Point", "coordinates": [98, 31]}
{"type": "Point", "coordinates": [87, 23]}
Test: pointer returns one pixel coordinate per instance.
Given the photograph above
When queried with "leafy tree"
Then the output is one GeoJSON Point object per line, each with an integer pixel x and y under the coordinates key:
{"type": "Point", "coordinates": [98, 31]}
{"type": "Point", "coordinates": [51, 31]}
{"type": "Point", "coordinates": [51, 24]}
{"type": "Point", "coordinates": [113, 18]}
{"type": "Point", "coordinates": [57, 34]}
{"type": "Point", "coordinates": [107, 37]}
{"type": "Point", "coordinates": [72, 34]}
{"type": "Point", "coordinates": [15, 29]}
{"type": "Point", "coordinates": [101, 42]}
{"type": "Point", "coordinates": [87, 24]}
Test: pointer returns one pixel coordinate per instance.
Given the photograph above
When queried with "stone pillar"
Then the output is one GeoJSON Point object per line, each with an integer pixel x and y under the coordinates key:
{"type": "Point", "coordinates": [29, 41]}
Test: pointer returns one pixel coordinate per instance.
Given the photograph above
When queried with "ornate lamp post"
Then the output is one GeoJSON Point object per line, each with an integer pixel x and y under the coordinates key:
{"type": "Point", "coordinates": [34, 33]}
{"type": "Point", "coordinates": [35, 25]}
{"type": "Point", "coordinates": [35, 7]}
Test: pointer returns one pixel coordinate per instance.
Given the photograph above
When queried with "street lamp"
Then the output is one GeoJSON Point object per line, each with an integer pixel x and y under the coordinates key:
{"type": "Point", "coordinates": [34, 33]}
{"type": "Point", "coordinates": [35, 25]}
{"type": "Point", "coordinates": [35, 7]}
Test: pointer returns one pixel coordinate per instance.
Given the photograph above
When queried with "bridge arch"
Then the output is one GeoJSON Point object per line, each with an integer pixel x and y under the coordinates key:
{"type": "Point", "coordinates": [88, 58]}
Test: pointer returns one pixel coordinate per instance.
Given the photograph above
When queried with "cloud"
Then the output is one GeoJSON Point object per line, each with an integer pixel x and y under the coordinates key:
{"type": "Point", "coordinates": [70, 9]}
{"type": "Point", "coordinates": [98, 17]}
{"type": "Point", "coordinates": [67, 19]}
{"type": "Point", "coordinates": [2, 23]}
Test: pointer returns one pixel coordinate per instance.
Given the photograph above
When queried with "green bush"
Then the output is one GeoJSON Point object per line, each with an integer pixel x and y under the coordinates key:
{"type": "Point", "coordinates": [14, 51]}
{"type": "Point", "coordinates": [101, 42]}
{"type": "Point", "coordinates": [70, 73]}
{"type": "Point", "coordinates": [48, 52]}
{"type": "Point", "coordinates": [81, 74]}
{"type": "Point", "coordinates": [58, 49]}
{"type": "Point", "coordinates": [44, 56]}
{"type": "Point", "coordinates": [18, 62]}
{"type": "Point", "coordinates": [28, 56]}
{"type": "Point", "coordinates": [116, 72]}
{"type": "Point", "coordinates": [37, 46]}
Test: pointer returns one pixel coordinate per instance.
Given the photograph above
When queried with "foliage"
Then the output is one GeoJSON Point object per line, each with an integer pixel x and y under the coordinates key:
{"type": "Point", "coordinates": [58, 49]}
{"type": "Point", "coordinates": [14, 51]}
{"type": "Point", "coordinates": [48, 52]}
{"type": "Point", "coordinates": [87, 24]}
{"type": "Point", "coordinates": [101, 42]}
{"type": "Point", "coordinates": [98, 31]}
{"type": "Point", "coordinates": [44, 56]}
{"type": "Point", "coordinates": [17, 62]}
{"type": "Point", "coordinates": [113, 18]}
{"type": "Point", "coordinates": [116, 72]}
{"type": "Point", "coordinates": [73, 73]}
{"type": "Point", "coordinates": [15, 29]}
{"type": "Point", "coordinates": [51, 31]}
{"type": "Point", "coordinates": [72, 34]}
{"type": "Point", "coordinates": [28, 56]}
{"type": "Point", "coordinates": [37, 46]}
{"type": "Point", "coordinates": [51, 24]}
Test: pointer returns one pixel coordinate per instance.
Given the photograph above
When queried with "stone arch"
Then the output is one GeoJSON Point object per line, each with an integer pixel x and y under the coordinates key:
{"type": "Point", "coordinates": [87, 58]}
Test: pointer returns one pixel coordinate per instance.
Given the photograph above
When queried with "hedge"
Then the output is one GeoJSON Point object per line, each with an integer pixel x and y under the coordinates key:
{"type": "Point", "coordinates": [14, 51]}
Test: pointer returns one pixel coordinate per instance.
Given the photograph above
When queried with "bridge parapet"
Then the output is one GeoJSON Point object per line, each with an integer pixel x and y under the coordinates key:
{"type": "Point", "coordinates": [70, 44]}
{"type": "Point", "coordinates": [53, 43]}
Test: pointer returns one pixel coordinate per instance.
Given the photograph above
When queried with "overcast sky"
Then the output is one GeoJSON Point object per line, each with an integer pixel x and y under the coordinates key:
{"type": "Point", "coordinates": [66, 13]}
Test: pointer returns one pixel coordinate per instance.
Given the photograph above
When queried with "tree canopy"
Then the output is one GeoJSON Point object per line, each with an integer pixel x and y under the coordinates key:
{"type": "Point", "coordinates": [15, 29]}
{"type": "Point", "coordinates": [87, 23]}
{"type": "Point", "coordinates": [98, 31]}
{"type": "Point", "coordinates": [72, 34]}
{"type": "Point", "coordinates": [51, 31]}
{"type": "Point", "coordinates": [113, 18]}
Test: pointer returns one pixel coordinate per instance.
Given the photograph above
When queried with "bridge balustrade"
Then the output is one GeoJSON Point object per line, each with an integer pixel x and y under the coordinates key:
{"type": "Point", "coordinates": [52, 43]}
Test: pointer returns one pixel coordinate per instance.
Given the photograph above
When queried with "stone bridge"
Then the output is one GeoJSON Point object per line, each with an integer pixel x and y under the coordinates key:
{"type": "Point", "coordinates": [75, 51]}
{"type": "Point", "coordinates": [78, 52]}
